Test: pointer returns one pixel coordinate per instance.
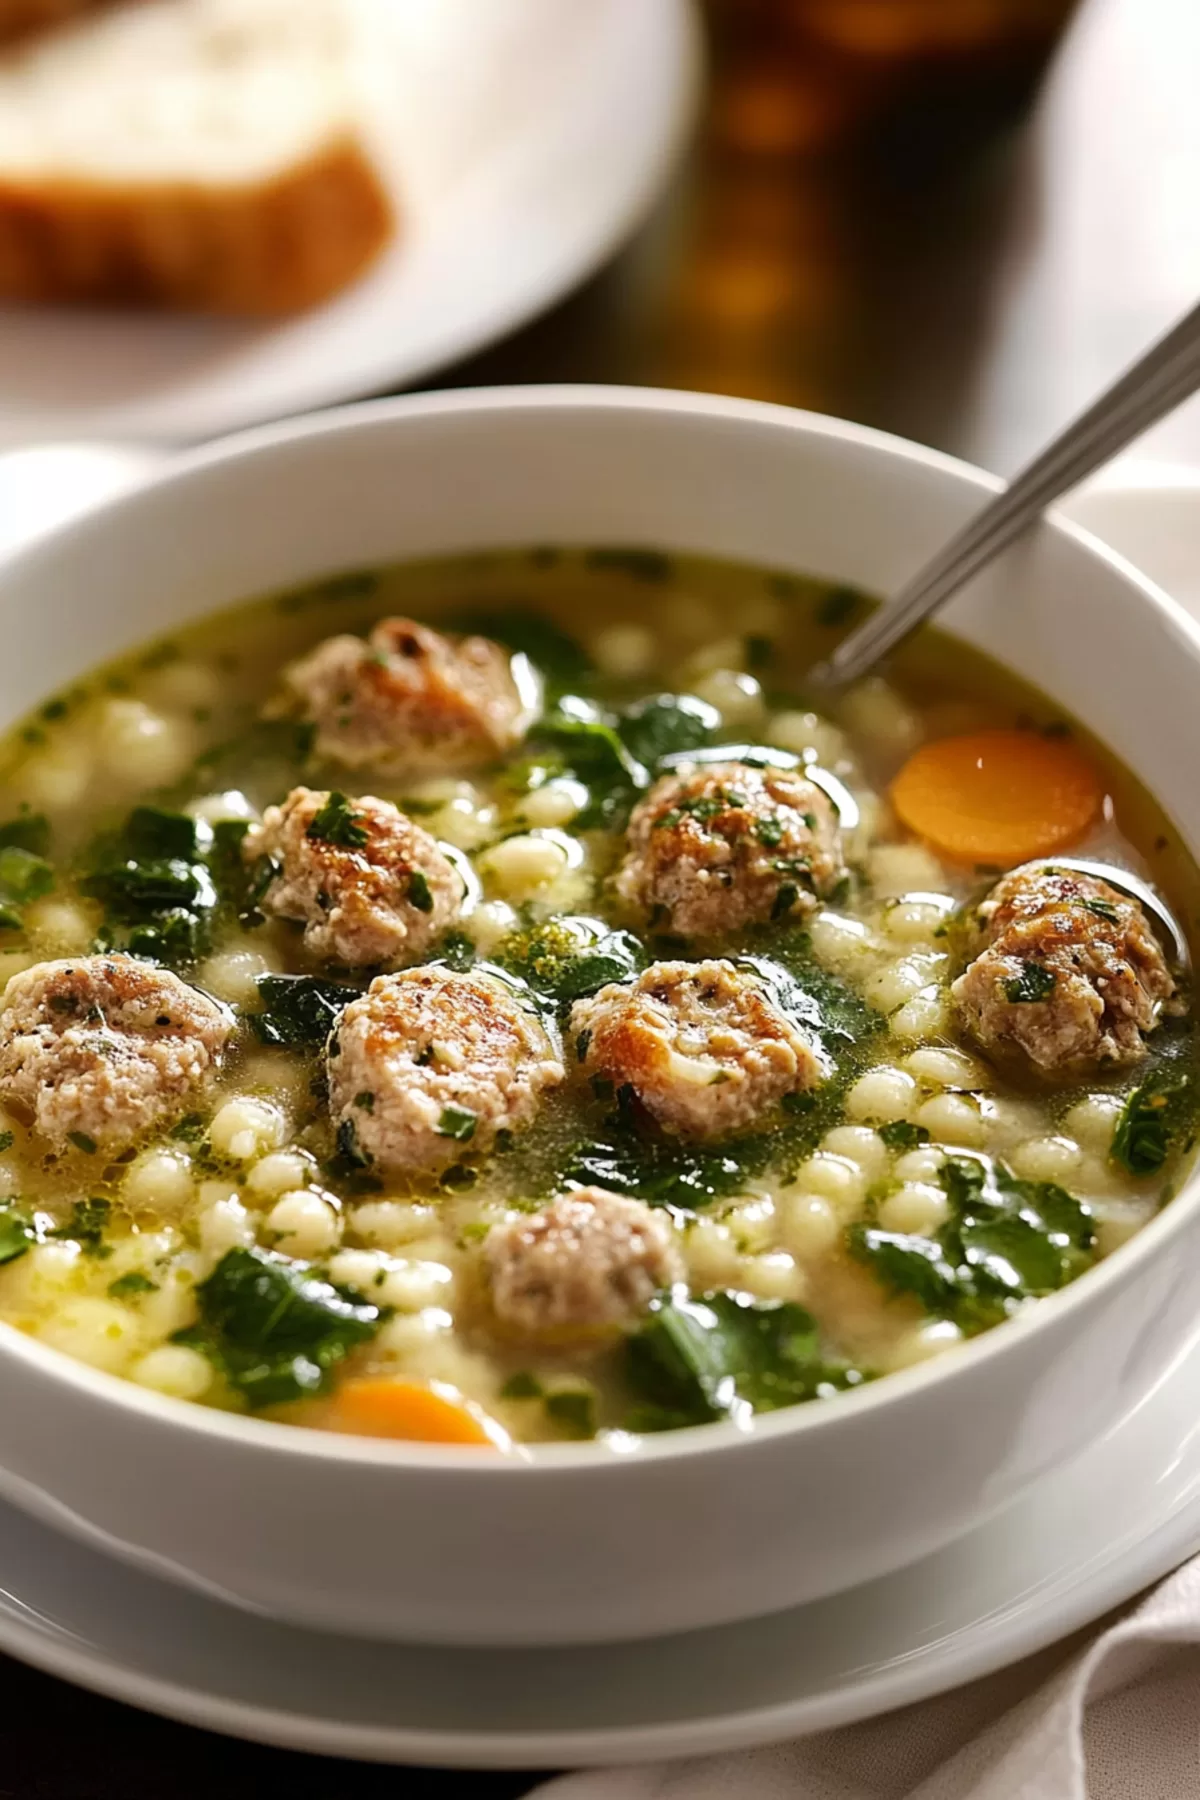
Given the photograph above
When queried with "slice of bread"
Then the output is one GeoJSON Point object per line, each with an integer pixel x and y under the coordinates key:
{"type": "Point", "coordinates": [200, 154]}
{"type": "Point", "coordinates": [19, 18]}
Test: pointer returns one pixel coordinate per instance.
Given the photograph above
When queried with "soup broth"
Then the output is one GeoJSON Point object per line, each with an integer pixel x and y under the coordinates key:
{"type": "Point", "coordinates": [887, 1178]}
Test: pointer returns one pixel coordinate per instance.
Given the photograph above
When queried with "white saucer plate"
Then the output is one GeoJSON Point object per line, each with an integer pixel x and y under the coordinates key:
{"type": "Point", "coordinates": [524, 138]}
{"type": "Point", "coordinates": [1085, 1541]}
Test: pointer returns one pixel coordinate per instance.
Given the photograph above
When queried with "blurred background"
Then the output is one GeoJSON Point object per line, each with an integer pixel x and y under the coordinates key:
{"type": "Point", "coordinates": [953, 219]}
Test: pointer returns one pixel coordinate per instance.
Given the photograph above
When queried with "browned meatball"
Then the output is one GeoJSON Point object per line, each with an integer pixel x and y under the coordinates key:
{"type": "Point", "coordinates": [716, 848]}
{"type": "Point", "coordinates": [1070, 973]}
{"type": "Point", "coordinates": [367, 884]}
{"type": "Point", "coordinates": [410, 701]}
{"type": "Point", "coordinates": [589, 1262]}
{"type": "Point", "coordinates": [100, 1049]}
{"type": "Point", "coordinates": [430, 1064]}
{"type": "Point", "coordinates": [703, 1046]}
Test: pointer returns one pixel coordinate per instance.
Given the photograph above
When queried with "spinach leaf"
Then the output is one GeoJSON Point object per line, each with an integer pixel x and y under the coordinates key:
{"type": "Point", "coordinates": [30, 831]}
{"type": "Point", "coordinates": [901, 1134]}
{"type": "Point", "coordinates": [590, 749]}
{"type": "Point", "coordinates": [24, 876]}
{"type": "Point", "coordinates": [570, 956]}
{"type": "Point", "coordinates": [1152, 1120]}
{"type": "Point", "coordinates": [573, 1410]}
{"type": "Point", "coordinates": [836, 1018]}
{"type": "Point", "coordinates": [666, 724]}
{"type": "Point", "coordinates": [152, 832]}
{"type": "Point", "coordinates": [909, 1264]}
{"type": "Point", "coordinates": [130, 1284]}
{"type": "Point", "coordinates": [665, 1172]}
{"type": "Point", "coordinates": [1005, 1241]}
{"type": "Point", "coordinates": [153, 880]}
{"type": "Point", "coordinates": [87, 1224]}
{"type": "Point", "coordinates": [561, 661]}
{"type": "Point", "coordinates": [275, 1328]}
{"type": "Point", "coordinates": [16, 1231]}
{"type": "Point", "coordinates": [720, 1354]}
{"type": "Point", "coordinates": [299, 1011]}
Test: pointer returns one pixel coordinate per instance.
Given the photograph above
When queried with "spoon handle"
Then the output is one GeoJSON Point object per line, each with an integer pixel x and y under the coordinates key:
{"type": "Point", "coordinates": [1156, 383]}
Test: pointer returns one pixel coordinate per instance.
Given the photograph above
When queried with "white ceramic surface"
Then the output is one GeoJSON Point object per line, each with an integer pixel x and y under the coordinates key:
{"type": "Point", "coordinates": [577, 1543]}
{"type": "Point", "coordinates": [523, 140]}
{"type": "Point", "coordinates": [1085, 1540]}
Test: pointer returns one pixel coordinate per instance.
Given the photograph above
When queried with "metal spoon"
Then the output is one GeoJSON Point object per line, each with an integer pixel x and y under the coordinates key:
{"type": "Point", "coordinates": [1153, 387]}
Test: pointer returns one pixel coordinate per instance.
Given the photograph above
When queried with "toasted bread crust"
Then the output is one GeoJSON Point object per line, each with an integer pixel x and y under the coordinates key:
{"type": "Point", "coordinates": [22, 18]}
{"type": "Point", "coordinates": [272, 247]}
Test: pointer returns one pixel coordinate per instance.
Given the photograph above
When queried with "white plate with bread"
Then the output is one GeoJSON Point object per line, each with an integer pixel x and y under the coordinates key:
{"type": "Point", "coordinates": [217, 212]}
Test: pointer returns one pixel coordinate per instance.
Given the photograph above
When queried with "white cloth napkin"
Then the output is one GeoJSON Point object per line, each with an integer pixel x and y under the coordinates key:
{"type": "Point", "coordinates": [1113, 1716]}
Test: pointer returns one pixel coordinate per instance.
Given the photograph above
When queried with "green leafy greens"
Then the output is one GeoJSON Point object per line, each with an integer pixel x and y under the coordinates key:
{"type": "Point", "coordinates": [336, 822]}
{"type": "Point", "coordinates": [274, 1328]}
{"type": "Point", "coordinates": [153, 878]}
{"type": "Point", "coordinates": [1005, 1241]}
{"type": "Point", "coordinates": [299, 1011]}
{"type": "Point", "coordinates": [716, 1355]}
{"type": "Point", "coordinates": [666, 725]}
{"type": "Point", "coordinates": [1153, 1119]}
{"type": "Point", "coordinates": [1035, 982]}
{"type": "Point", "coordinates": [24, 876]}
{"type": "Point", "coordinates": [569, 957]}
{"type": "Point", "coordinates": [559, 659]}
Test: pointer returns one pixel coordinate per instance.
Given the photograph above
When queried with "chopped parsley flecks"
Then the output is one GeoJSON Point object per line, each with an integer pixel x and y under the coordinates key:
{"type": "Point", "coordinates": [338, 823]}
{"type": "Point", "coordinates": [457, 1122]}
{"type": "Point", "coordinates": [420, 894]}
{"type": "Point", "coordinates": [1035, 982]}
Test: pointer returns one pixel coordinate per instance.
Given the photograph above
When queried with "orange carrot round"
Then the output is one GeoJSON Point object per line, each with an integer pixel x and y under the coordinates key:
{"type": "Point", "coordinates": [998, 796]}
{"type": "Point", "coordinates": [420, 1412]}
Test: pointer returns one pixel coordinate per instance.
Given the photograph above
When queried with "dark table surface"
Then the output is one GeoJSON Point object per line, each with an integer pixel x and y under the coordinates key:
{"type": "Point", "coordinates": [974, 300]}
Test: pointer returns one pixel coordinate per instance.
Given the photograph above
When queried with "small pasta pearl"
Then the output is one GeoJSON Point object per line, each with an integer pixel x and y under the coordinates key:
{"type": "Point", "coordinates": [951, 1119]}
{"type": "Point", "coordinates": [922, 1016]}
{"type": "Point", "coordinates": [859, 1145]}
{"type": "Point", "coordinates": [915, 1207]}
{"type": "Point", "coordinates": [174, 1369]}
{"type": "Point", "coordinates": [624, 651]}
{"type": "Point", "coordinates": [836, 1179]}
{"type": "Point", "coordinates": [303, 1224]}
{"type": "Point", "coordinates": [1046, 1158]}
{"type": "Point", "coordinates": [810, 1226]}
{"type": "Point", "coordinates": [883, 1094]}
{"type": "Point", "coordinates": [1092, 1121]}
{"type": "Point", "coordinates": [246, 1127]}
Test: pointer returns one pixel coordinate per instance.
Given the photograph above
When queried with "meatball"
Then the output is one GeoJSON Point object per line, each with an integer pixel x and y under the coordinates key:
{"type": "Point", "coordinates": [1069, 972]}
{"type": "Point", "coordinates": [431, 1064]}
{"type": "Point", "coordinates": [715, 848]}
{"type": "Point", "coordinates": [367, 884]}
{"type": "Point", "coordinates": [408, 701]}
{"type": "Point", "coordinates": [589, 1262]}
{"type": "Point", "coordinates": [704, 1046]}
{"type": "Point", "coordinates": [99, 1049]}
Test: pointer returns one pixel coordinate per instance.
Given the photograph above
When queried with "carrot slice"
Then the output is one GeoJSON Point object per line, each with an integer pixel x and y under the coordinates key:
{"type": "Point", "coordinates": [998, 796]}
{"type": "Point", "coordinates": [427, 1413]}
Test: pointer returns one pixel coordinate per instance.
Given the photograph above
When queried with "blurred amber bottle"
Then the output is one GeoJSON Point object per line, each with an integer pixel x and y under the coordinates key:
{"type": "Point", "coordinates": [798, 76]}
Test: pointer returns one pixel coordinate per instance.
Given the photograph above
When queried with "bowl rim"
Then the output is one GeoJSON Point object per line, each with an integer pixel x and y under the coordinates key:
{"type": "Point", "coordinates": [255, 1434]}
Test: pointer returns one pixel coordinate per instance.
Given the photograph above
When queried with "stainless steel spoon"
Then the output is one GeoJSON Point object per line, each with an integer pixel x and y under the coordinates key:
{"type": "Point", "coordinates": [1157, 383]}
